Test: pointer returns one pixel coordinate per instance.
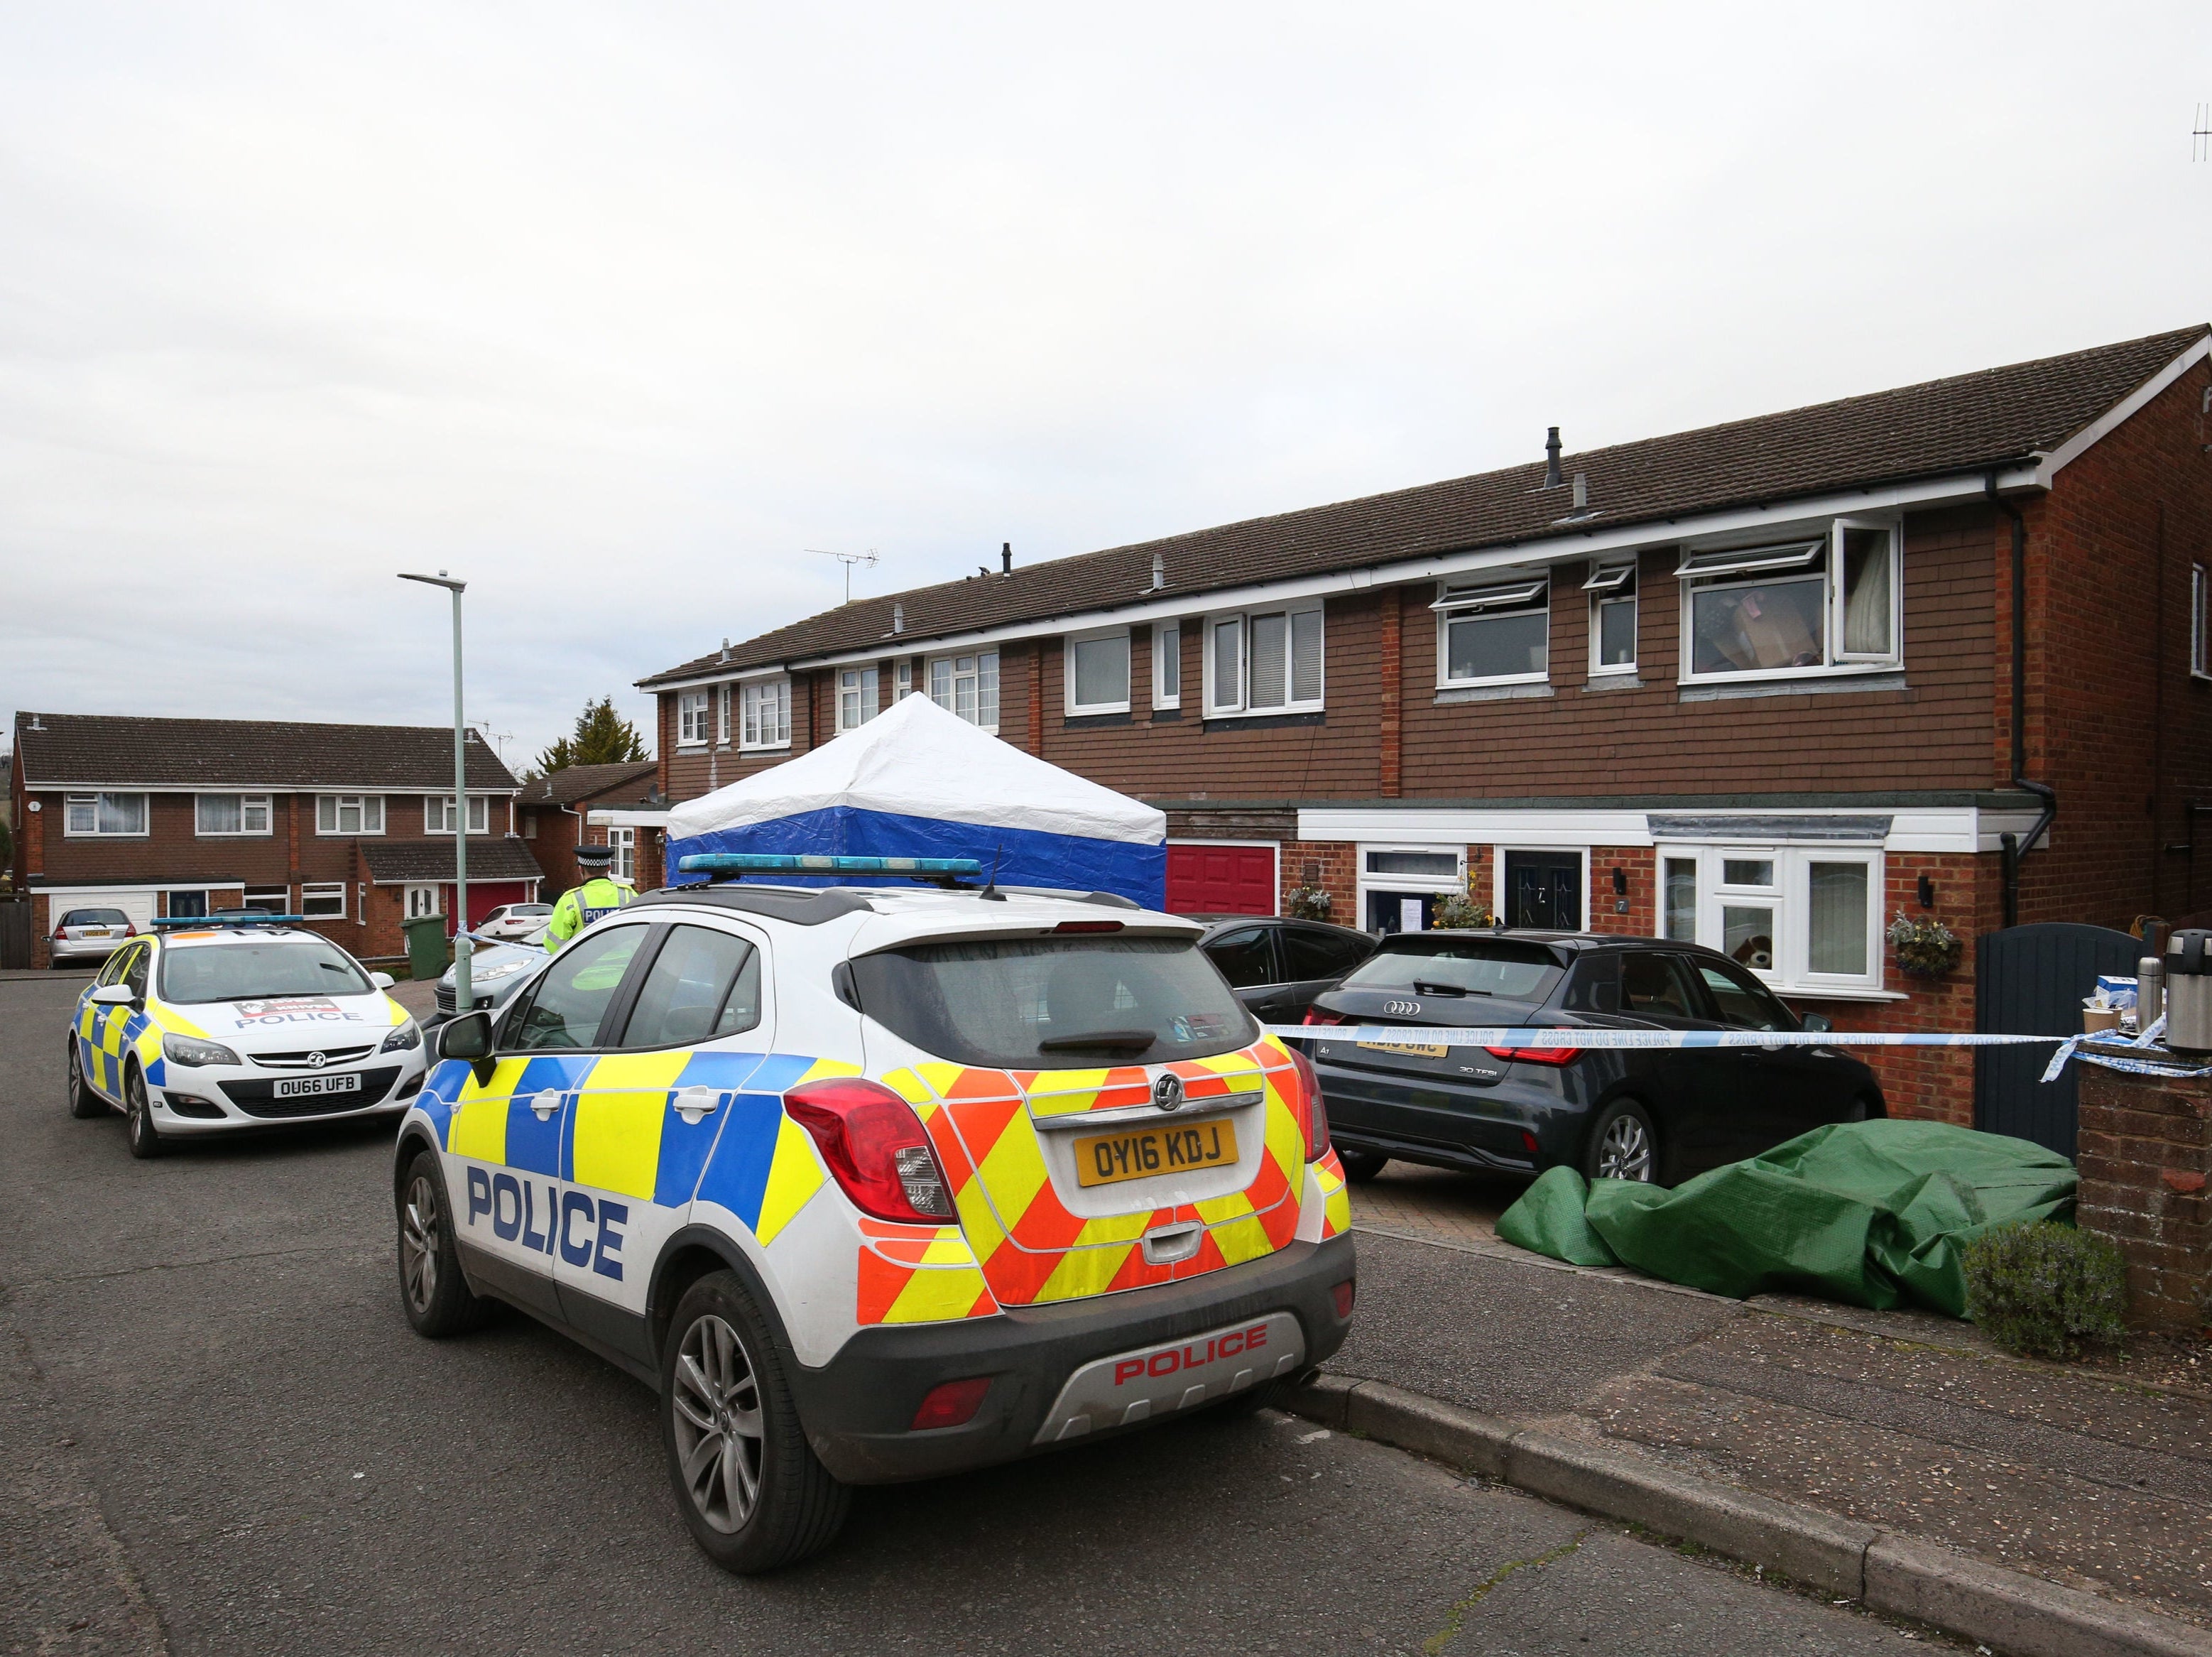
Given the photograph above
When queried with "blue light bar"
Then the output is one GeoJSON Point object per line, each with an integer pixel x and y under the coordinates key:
{"type": "Point", "coordinates": [789, 863]}
{"type": "Point", "coordinates": [229, 917]}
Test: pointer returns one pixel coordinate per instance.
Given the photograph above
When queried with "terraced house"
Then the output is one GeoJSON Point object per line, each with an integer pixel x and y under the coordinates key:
{"type": "Point", "coordinates": [1939, 651]}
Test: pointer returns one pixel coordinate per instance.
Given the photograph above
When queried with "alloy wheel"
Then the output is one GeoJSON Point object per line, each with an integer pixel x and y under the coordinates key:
{"type": "Point", "coordinates": [139, 1112]}
{"type": "Point", "coordinates": [718, 1432]}
{"type": "Point", "coordinates": [1625, 1152]}
{"type": "Point", "coordinates": [418, 1244]}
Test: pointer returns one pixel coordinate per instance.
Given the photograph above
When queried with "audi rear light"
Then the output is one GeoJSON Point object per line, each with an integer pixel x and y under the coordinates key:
{"type": "Point", "coordinates": [1312, 1114]}
{"type": "Point", "coordinates": [951, 1403]}
{"type": "Point", "coordinates": [1536, 1055]}
{"type": "Point", "coordinates": [876, 1147]}
{"type": "Point", "coordinates": [1315, 1015]}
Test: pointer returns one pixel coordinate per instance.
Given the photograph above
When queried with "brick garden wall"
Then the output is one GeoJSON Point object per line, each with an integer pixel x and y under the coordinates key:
{"type": "Point", "coordinates": [2146, 1149]}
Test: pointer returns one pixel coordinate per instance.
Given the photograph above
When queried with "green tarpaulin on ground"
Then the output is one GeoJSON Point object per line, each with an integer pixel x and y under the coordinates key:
{"type": "Point", "coordinates": [1873, 1213]}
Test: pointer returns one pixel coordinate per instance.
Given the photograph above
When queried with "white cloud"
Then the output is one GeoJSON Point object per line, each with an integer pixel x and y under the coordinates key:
{"type": "Point", "coordinates": [614, 313]}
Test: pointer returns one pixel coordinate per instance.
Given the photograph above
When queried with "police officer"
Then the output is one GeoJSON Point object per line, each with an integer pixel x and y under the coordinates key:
{"type": "Point", "coordinates": [599, 896]}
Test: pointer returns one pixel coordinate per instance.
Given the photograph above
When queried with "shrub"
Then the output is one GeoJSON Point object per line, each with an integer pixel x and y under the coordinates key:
{"type": "Point", "coordinates": [1307, 903]}
{"type": "Point", "coordinates": [1460, 912]}
{"type": "Point", "coordinates": [2045, 1290]}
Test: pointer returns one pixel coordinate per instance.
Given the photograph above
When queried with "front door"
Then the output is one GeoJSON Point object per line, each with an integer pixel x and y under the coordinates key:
{"type": "Point", "coordinates": [1543, 890]}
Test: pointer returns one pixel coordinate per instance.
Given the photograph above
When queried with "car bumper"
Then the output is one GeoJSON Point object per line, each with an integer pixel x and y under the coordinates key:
{"type": "Point", "coordinates": [217, 1099]}
{"type": "Point", "coordinates": [84, 949]}
{"type": "Point", "coordinates": [859, 1407]}
{"type": "Point", "coordinates": [1438, 1119]}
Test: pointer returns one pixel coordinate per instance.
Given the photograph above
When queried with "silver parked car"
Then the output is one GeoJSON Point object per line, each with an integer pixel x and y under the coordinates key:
{"type": "Point", "coordinates": [496, 971]}
{"type": "Point", "coordinates": [90, 934]}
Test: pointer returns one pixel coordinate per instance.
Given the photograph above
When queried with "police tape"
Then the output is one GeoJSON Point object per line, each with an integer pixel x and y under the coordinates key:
{"type": "Point", "coordinates": [1525, 1035]}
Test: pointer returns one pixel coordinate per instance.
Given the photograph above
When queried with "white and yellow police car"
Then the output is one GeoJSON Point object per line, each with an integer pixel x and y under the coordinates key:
{"type": "Point", "coordinates": [234, 1023]}
{"type": "Point", "coordinates": [877, 1182]}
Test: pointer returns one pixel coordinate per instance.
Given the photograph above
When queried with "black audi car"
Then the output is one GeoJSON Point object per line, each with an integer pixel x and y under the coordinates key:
{"type": "Point", "coordinates": [1659, 1114]}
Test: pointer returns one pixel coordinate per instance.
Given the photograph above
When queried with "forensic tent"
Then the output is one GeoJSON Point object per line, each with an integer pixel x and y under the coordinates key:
{"type": "Point", "coordinates": [919, 782]}
{"type": "Point", "coordinates": [1875, 1214]}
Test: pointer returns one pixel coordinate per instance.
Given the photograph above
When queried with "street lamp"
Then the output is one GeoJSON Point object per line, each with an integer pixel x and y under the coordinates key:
{"type": "Point", "coordinates": [462, 1000]}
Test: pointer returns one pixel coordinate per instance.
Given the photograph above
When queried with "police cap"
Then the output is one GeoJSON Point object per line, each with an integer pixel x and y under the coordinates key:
{"type": "Point", "coordinates": [595, 856]}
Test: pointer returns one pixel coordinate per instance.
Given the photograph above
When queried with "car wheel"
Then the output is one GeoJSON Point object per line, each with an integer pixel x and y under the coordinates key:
{"type": "Point", "coordinates": [434, 1294]}
{"type": "Point", "coordinates": [1624, 1144]}
{"type": "Point", "coordinates": [139, 1132]}
{"type": "Point", "coordinates": [84, 1103]}
{"type": "Point", "coordinates": [752, 1491]}
{"type": "Point", "coordinates": [1360, 1167]}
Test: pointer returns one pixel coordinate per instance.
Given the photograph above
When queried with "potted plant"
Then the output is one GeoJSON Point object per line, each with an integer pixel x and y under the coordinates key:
{"type": "Point", "coordinates": [1307, 903]}
{"type": "Point", "coordinates": [1459, 911]}
{"type": "Point", "coordinates": [1925, 948]}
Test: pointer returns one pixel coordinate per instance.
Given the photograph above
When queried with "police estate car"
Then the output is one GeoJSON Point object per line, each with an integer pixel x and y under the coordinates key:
{"type": "Point", "coordinates": [238, 1021]}
{"type": "Point", "coordinates": [877, 1183]}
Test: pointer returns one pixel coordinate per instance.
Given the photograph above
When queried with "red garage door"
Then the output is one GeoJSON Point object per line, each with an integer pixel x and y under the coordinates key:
{"type": "Point", "coordinates": [1221, 880]}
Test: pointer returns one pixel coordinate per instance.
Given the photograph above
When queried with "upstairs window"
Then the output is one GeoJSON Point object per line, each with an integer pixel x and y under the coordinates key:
{"type": "Point", "coordinates": [2200, 622]}
{"type": "Point", "coordinates": [856, 698]}
{"type": "Point", "coordinates": [1612, 588]}
{"type": "Point", "coordinates": [1496, 634]}
{"type": "Point", "coordinates": [1812, 605]}
{"type": "Point", "coordinates": [93, 815]}
{"type": "Point", "coordinates": [765, 710]}
{"type": "Point", "coordinates": [1167, 665]}
{"type": "Point", "coordinates": [1264, 662]}
{"type": "Point", "coordinates": [691, 717]}
{"type": "Point", "coordinates": [722, 715]}
{"type": "Point", "coordinates": [348, 814]}
{"type": "Point", "coordinates": [438, 814]}
{"type": "Point", "coordinates": [230, 814]}
{"type": "Point", "coordinates": [968, 687]}
{"type": "Point", "coordinates": [1099, 674]}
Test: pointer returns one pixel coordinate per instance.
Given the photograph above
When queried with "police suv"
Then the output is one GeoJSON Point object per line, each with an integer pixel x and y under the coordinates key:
{"type": "Point", "coordinates": [874, 1184]}
{"type": "Point", "coordinates": [240, 1021]}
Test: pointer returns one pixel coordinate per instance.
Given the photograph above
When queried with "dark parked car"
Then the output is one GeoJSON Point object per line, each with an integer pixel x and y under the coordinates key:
{"type": "Point", "coordinates": [1277, 966]}
{"type": "Point", "coordinates": [1657, 1114]}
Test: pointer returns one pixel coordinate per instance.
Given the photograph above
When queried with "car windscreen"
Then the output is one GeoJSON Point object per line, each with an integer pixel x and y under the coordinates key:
{"type": "Point", "coordinates": [1437, 966]}
{"type": "Point", "coordinates": [258, 971]}
{"type": "Point", "coordinates": [1054, 1003]}
{"type": "Point", "coordinates": [95, 918]}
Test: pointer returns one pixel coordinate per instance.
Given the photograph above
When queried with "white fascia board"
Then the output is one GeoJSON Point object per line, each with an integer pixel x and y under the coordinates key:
{"type": "Point", "coordinates": [113, 888]}
{"type": "Point", "coordinates": [627, 819]}
{"type": "Point", "coordinates": [1995, 825]}
{"type": "Point", "coordinates": [2074, 447]}
{"type": "Point", "coordinates": [1923, 829]}
{"type": "Point", "coordinates": [1779, 517]}
{"type": "Point", "coordinates": [490, 790]}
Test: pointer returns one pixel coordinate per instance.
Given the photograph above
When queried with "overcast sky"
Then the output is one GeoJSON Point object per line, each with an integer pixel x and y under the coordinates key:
{"type": "Point", "coordinates": [616, 310]}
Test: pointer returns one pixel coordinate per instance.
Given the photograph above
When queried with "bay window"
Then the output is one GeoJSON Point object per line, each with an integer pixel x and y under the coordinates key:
{"type": "Point", "coordinates": [348, 814]}
{"type": "Point", "coordinates": [1264, 661]}
{"type": "Point", "coordinates": [1498, 634]}
{"type": "Point", "coordinates": [100, 814]}
{"type": "Point", "coordinates": [1818, 605]}
{"type": "Point", "coordinates": [856, 698]}
{"type": "Point", "coordinates": [1099, 674]}
{"type": "Point", "coordinates": [968, 687]}
{"type": "Point", "coordinates": [691, 717]}
{"type": "Point", "coordinates": [1804, 918]}
{"type": "Point", "coordinates": [230, 814]}
{"type": "Point", "coordinates": [764, 714]}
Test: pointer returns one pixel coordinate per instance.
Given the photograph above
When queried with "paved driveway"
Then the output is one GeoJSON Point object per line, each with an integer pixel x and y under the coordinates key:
{"type": "Point", "coordinates": [218, 1434]}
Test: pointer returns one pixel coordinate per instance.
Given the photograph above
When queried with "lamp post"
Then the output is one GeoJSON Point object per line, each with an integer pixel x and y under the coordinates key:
{"type": "Point", "coordinates": [462, 1000]}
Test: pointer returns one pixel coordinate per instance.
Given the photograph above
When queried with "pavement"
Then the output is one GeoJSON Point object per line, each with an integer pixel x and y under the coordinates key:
{"type": "Point", "coordinates": [2096, 1476]}
{"type": "Point", "coordinates": [218, 1434]}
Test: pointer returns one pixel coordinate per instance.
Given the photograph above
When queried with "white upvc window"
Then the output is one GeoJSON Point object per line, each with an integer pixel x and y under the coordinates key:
{"type": "Point", "coordinates": [856, 698]}
{"type": "Point", "coordinates": [323, 901]}
{"type": "Point", "coordinates": [348, 814]}
{"type": "Point", "coordinates": [1264, 662]}
{"type": "Point", "coordinates": [1611, 587]}
{"type": "Point", "coordinates": [1826, 604]}
{"type": "Point", "coordinates": [902, 679]}
{"type": "Point", "coordinates": [103, 816]}
{"type": "Point", "coordinates": [1399, 886]}
{"type": "Point", "coordinates": [624, 841]}
{"type": "Point", "coordinates": [691, 717]}
{"type": "Point", "coordinates": [2200, 621]}
{"type": "Point", "coordinates": [722, 715]}
{"type": "Point", "coordinates": [764, 714]}
{"type": "Point", "coordinates": [230, 814]}
{"type": "Point", "coordinates": [1167, 665]}
{"type": "Point", "coordinates": [1497, 633]}
{"type": "Point", "coordinates": [1098, 673]}
{"type": "Point", "coordinates": [968, 687]}
{"type": "Point", "coordinates": [438, 814]}
{"type": "Point", "coordinates": [268, 899]}
{"type": "Point", "coordinates": [1806, 918]}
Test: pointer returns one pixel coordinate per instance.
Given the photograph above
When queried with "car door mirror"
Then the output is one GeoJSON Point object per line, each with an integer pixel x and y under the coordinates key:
{"type": "Point", "coordinates": [1817, 1023]}
{"type": "Point", "coordinates": [113, 994]}
{"type": "Point", "coordinates": [468, 1039]}
{"type": "Point", "coordinates": [382, 980]}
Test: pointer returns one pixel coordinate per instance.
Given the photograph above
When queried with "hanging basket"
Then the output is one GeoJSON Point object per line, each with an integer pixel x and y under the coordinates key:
{"type": "Point", "coordinates": [1307, 903]}
{"type": "Point", "coordinates": [1924, 949]}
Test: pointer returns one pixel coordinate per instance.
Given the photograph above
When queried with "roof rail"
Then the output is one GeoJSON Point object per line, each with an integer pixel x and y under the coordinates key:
{"type": "Point", "coordinates": [801, 906]}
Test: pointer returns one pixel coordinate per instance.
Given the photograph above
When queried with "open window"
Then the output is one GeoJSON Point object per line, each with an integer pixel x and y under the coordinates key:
{"type": "Point", "coordinates": [1496, 634]}
{"type": "Point", "coordinates": [1611, 587]}
{"type": "Point", "coordinates": [1810, 606]}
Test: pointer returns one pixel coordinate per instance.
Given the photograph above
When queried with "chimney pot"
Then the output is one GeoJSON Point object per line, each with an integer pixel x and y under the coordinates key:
{"type": "Point", "coordinates": [1582, 490]}
{"type": "Point", "coordinates": [1552, 459]}
{"type": "Point", "coordinates": [1159, 570]}
{"type": "Point", "coordinates": [1005, 557]}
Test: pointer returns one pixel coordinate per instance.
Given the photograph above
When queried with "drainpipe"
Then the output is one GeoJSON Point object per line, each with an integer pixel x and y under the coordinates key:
{"type": "Point", "coordinates": [2014, 847]}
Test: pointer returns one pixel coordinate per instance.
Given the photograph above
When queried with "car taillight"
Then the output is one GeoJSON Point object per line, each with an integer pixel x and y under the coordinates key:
{"type": "Point", "coordinates": [951, 1403]}
{"type": "Point", "coordinates": [1536, 1055]}
{"type": "Point", "coordinates": [61, 934]}
{"type": "Point", "coordinates": [1088, 926]}
{"type": "Point", "coordinates": [1315, 1015]}
{"type": "Point", "coordinates": [876, 1149]}
{"type": "Point", "coordinates": [1312, 1114]}
{"type": "Point", "coordinates": [129, 930]}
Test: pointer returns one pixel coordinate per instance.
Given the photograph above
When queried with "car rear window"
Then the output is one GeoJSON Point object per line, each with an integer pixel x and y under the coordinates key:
{"type": "Point", "coordinates": [258, 971]}
{"type": "Point", "coordinates": [1503, 967]}
{"type": "Point", "coordinates": [95, 918]}
{"type": "Point", "coordinates": [1054, 1003]}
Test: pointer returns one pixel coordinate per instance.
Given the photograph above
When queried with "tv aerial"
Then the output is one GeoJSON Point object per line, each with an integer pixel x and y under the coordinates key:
{"type": "Point", "coordinates": [848, 560]}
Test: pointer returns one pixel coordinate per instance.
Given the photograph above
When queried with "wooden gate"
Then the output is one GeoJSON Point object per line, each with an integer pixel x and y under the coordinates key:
{"type": "Point", "coordinates": [15, 933]}
{"type": "Point", "coordinates": [2030, 980]}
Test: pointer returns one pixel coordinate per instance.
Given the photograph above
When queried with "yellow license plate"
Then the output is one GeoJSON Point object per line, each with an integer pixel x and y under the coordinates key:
{"type": "Point", "coordinates": [1417, 1050]}
{"type": "Point", "coordinates": [1106, 1158]}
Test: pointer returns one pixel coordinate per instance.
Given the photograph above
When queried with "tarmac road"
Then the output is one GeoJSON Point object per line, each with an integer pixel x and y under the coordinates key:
{"type": "Point", "coordinates": [218, 1434]}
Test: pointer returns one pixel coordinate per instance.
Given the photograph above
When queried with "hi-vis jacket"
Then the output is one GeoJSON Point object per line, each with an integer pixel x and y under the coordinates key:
{"type": "Point", "coordinates": [596, 900]}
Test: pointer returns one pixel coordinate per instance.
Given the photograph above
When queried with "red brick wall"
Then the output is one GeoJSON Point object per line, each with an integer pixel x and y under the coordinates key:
{"type": "Point", "coordinates": [1642, 919]}
{"type": "Point", "coordinates": [2146, 1153]}
{"type": "Point", "coordinates": [1332, 865]}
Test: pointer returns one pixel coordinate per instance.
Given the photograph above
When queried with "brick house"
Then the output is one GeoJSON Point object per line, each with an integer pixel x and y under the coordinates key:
{"type": "Point", "coordinates": [564, 809]}
{"type": "Point", "coordinates": [1762, 686]}
{"type": "Point", "coordinates": [345, 825]}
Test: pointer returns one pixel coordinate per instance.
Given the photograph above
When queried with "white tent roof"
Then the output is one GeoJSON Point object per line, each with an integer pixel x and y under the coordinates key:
{"type": "Point", "coordinates": [918, 760]}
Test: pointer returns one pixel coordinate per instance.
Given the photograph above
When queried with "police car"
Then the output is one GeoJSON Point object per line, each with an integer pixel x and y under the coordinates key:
{"type": "Point", "coordinates": [878, 1183]}
{"type": "Point", "coordinates": [214, 1025]}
